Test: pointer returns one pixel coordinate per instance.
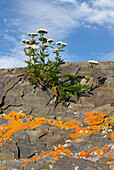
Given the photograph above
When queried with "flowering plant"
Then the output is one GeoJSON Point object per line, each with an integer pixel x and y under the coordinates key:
{"type": "Point", "coordinates": [46, 74]}
{"type": "Point", "coordinates": [92, 63]}
{"type": "Point", "coordinates": [40, 72]}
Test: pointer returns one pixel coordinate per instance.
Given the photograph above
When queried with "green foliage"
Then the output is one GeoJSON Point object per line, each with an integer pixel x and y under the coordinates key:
{"type": "Point", "coordinates": [46, 73]}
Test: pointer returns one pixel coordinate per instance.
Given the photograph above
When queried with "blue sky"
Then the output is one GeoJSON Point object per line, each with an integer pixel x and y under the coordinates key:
{"type": "Point", "coordinates": [87, 26]}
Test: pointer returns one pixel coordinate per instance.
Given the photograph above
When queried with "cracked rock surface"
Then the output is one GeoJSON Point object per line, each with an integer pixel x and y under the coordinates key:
{"type": "Point", "coordinates": [17, 94]}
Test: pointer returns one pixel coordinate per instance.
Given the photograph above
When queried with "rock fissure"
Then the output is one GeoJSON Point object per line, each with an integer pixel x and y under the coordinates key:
{"type": "Point", "coordinates": [4, 96]}
{"type": "Point", "coordinates": [18, 153]}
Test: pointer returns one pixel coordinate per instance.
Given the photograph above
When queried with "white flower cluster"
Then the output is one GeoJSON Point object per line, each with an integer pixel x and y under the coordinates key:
{"type": "Point", "coordinates": [61, 43]}
{"type": "Point", "coordinates": [42, 31]}
{"type": "Point", "coordinates": [23, 40]}
{"type": "Point", "coordinates": [32, 34]}
{"type": "Point", "coordinates": [93, 62]}
{"type": "Point", "coordinates": [46, 45]}
{"type": "Point", "coordinates": [35, 47]}
{"type": "Point", "coordinates": [36, 42]}
{"type": "Point", "coordinates": [42, 38]}
{"type": "Point", "coordinates": [49, 40]}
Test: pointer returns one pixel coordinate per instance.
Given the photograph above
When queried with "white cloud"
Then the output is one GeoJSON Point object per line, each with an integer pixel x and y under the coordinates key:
{"type": "Point", "coordinates": [5, 20]}
{"type": "Point", "coordinates": [107, 56]}
{"type": "Point", "coordinates": [59, 17]}
{"type": "Point", "coordinates": [55, 18]}
{"type": "Point", "coordinates": [103, 3]}
{"type": "Point", "coordinates": [10, 38]}
{"type": "Point", "coordinates": [15, 57]}
{"type": "Point", "coordinates": [60, 20]}
{"type": "Point", "coordinates": [11, 62]}
{"type": "Point", "coordinates": [69, 1]}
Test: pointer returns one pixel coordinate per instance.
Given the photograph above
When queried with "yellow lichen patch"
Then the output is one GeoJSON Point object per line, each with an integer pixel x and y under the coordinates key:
{"type": "Point", "coordinates": [110, 156]}
{"type": "Point", "coordinates": [86, 154]}
{"type": "Point", "coordinates": [44, 153]}
{"type": "Point", "coordinates": [75, 135]}
{"type": "Point", "coordinates": [95, 119]}
{"type": "Point", "coordinates": [112, 136]}
{"type": "Point", "coordinates": [34, 158]}
{"type": "Point", "coordinates": [95, 122]}
{"type": "Point", "coordinates": [99, 121]}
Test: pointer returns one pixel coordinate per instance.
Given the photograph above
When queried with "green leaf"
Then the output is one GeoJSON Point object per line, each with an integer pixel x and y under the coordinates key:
{"type": "Point", "coordinates": [75, 93]}
{"type": "Point", "coordinates": [93, 74]}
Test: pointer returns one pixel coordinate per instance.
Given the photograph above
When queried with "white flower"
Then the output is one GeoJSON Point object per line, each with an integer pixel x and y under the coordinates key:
{"type": "Point", "coordinates": [56, 49]}
{"type": "Point", "coordinates": [23, 40]}
{"type": "Point", "coordinates": [29, 33]}
{"type": "Point", "coordinates": [29, 46]}
{"type": "Point", "coordinates": [64, 44]}
{"type": "Point", "coordinates": [35, 47]}
{"type": "Point", "coordinates": [46, 45]}
{"type": "Point", "coordinates": [36, 42]}
{"type": "Point", "coordinates": [27, 41]}
{"type": "Point", "coordinates": [43, 38]}
{"type": "Point", "coordinates": [32, 34]}
{"type": "Point", "coordinates": [59, 43]}
{"type": "Point", "coordinates": [93, 62]}
{"type": "Point", "coordinates": [49, 40]}
{"type": "Point", "coordinates": [42, 31]}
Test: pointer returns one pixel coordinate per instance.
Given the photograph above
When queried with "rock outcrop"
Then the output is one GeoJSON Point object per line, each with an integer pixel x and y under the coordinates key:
{"type": "Point", "coordinates": [17, 94]}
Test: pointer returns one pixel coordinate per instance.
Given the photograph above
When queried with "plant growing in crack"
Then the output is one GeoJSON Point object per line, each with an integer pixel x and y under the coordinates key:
{"type": "Point", "coordinates": [92, 64]}
{"type": "Point", "coordinates": [46, 74]}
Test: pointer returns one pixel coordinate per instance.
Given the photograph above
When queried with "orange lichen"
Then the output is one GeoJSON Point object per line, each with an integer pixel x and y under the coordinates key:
{"type": "Point", "coordinates": [81, 155]}
{"type": "Point", "coordinates": [68, 144]}
{"type": "Point", "coordinates": [61, 147]}
{"type": "Point", "coordinates": [106, 146]}
{"type": "Point", "coordinates": [20, 121]}
{"type": "Point", "coordinates": [86, 154]}
{"type": "Point", "coordinates": [112, 136]}
{"type": "Point", "coordinates": [99, 151]}
{"type": "Point", "coordinates": [76, 166]}
{"type": "Point", "coordinates": [68, 151]}
{"type": "Point", "coordinates": [95, 119]}
{"type": "Point", "coordinates": [44, 153]}
{"type": "Point", "coordinates": [110, 156]}
{"type": "Point", "coordinates": [89, 113]}
{"type": "Point", "coordinates": [89, 152]}
{"type": "Point", "coordinates": [75, 135]}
